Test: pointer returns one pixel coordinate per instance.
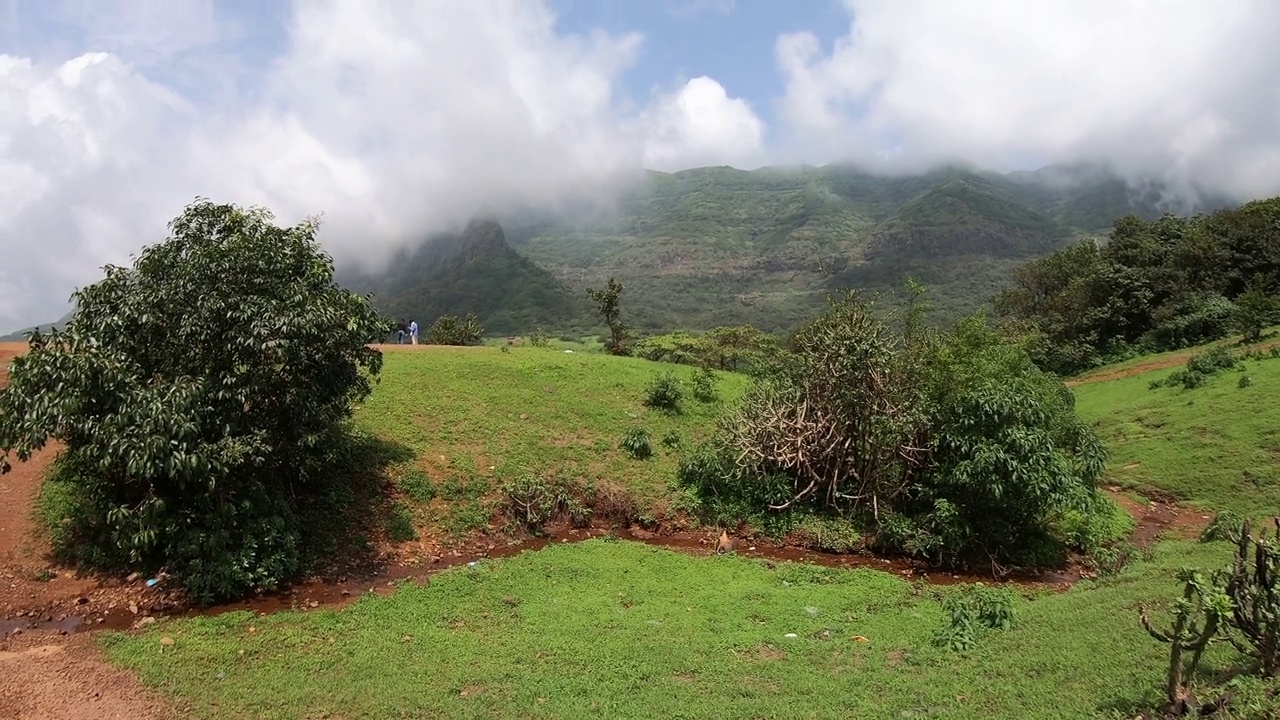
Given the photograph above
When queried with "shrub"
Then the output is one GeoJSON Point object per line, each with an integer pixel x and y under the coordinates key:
{"type": "Point", "coordinates": [449, 330]}
{"type": "Point", "coordinates": [1200, 368]}
{"type": "Point", "coordinates": [971, 611]}
{"type": "Point", "coordinates": [704, 385]}
{"type": "Point", "coordinates": [539, 338]}
{"type": "Point", "coordinates": [664, 393]}
{"type": "Point", "coordinates": [954, 444]}
{"type": "Point", "coordinates": [635, 442]}
{"type": "Point", "coordinates": [202, 397]}
{"type": "Point", "coordinates": [671, 439]}
{"type": "Point", "coordinates": [533, 502]}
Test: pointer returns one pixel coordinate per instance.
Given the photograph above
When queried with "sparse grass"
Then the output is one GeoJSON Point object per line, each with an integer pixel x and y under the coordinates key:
{"type": "Point", "coordinates": [612, 629]}
{"type": "Point", "coordinates": [476, 417]}
{"type": "Point", "coordinates": [1215, 446]}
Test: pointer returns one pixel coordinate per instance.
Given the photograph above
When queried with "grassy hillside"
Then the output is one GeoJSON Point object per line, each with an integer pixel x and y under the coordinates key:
{"type": "Point", "coordinates": [1214, 446]}
{"type": "Point", "coordinates": [475, 417]}
{"type": "Point", "coordinates": [607, 628]}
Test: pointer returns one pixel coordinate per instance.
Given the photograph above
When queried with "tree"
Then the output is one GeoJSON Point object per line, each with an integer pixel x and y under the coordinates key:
{"type": "Point", "coordinates": [449, 330]}
{"type": "Point", "coordinates": [201, 396]}
{"type": "Point", "coordinates": [610, 309]}
{"type": "Point", "coordinates": [948, 445]}
{"type": "Point", "coordinates": [1255, 309]}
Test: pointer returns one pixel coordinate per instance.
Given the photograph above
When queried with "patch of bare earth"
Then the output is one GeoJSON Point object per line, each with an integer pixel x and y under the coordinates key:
{"type": "Point", "coordinates": [45, 671]}
{"type": "Point", "coordinates": [1162, 363]}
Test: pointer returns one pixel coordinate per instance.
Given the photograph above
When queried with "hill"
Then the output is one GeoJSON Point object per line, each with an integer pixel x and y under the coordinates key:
{"type": "Point", "coordinates": [712, 636]}
{"type": "Point", "coordinates": [474, 271]}
{"type": "Point", "coordinates": [21, 335]}
{"type": "Point", "coordinates": [720, 246]}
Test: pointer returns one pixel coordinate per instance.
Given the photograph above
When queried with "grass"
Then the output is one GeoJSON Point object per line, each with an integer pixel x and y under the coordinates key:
{"type": "Point", "coordinates": [612, 629]}
{"type": "Point", "coordinates": [1214, 446]}
{"type": "Point", "coordinates": [478, 416]}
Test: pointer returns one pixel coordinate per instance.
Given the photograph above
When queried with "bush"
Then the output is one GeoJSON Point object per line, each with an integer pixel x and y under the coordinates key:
{"type": "Point", "coordinates": [635, 442]}
{"type": "Point", "coordinates": [533, 502]}
{"type": "Point", "coordinates": [704, 385]}
{"type": "Point", "coordinates": [202, 397]}
{"type": "Point", "coordinates": [972, 611]}
{"type": "Point", "coordinates": [664, 393]}
{"type": "Point", "coordinates": [449, 330]}
{"type": "Point", "coordinates": [953, 445]}
{"type": "Point", "coordinates": [1200, 368]}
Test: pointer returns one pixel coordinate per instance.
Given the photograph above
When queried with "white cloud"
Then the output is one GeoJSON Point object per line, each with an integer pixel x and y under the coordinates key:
{"type": "Point", "coordinates": [702, 125]}
{"type": "Point", "coordinates": [1183, 89]}
{"type": "Point", "coordinates": [393, 119]}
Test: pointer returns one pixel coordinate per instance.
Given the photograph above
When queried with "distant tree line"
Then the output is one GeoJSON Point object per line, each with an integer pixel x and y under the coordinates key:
{"type": "Point", "coordinates": [1149, 287]}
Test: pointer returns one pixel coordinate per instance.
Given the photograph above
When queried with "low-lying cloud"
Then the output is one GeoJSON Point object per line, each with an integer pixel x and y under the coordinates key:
{"type": "Point", "coordinates": [396, 119]}
{"type": "Point", "coordinates": [1183, 91]}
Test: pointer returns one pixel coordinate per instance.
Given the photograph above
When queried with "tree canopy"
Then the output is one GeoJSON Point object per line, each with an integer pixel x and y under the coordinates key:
{"type": "Point", "coordinates": [200, 395]}
{"type": "Point", "coordinates": [1151, 286]}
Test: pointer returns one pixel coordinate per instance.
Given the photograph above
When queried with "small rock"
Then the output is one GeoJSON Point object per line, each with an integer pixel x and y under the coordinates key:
{"type": "Point", "coordinates": [406, 639]}
{"type": "Point", "coordinates": [147, 620]}
{"type": "Point", "coordinates": [313, 603]}
{"type": "Point", "coordinates": [133, 577]}
{"type": "Point", "coordinates": [133, 608]}
{"type": "Point", "coordinates": [791, 635]}
{"type": "Point", "coordinates": [82, 600]}
{"type": "Point", "coordinates": [166, 640]}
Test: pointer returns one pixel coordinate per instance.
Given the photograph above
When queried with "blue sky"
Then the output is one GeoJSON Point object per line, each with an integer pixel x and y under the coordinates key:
{"type": "Point", "coordinates": [730, 40]}
{"type": "Point", "coordinates": [395, 118]}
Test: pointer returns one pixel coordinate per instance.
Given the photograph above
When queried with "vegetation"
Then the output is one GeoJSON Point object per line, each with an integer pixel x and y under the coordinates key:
{"type": "Point", "coordinates": [1195, 446]}
{"type": "Point", "coordinates": [202, 396]}
{"type": "Point", "coordinates": [449, 330]}
{"type": "Point", "coordinates": [664, 393]}
{"type": "Point", "coordinates": [608, 305]}
{"type": "Point", "coordinates": [636, 630]}
{"type": "Point", "coordinates": [947, 445]}
{"type": "Point", "coordinates": [617, 629]}
{"type": "Point", "coordinates": [475, 272]}
{"type": "Point", "coordinates": [1153, 286]}
{"type": "Point", "coordinates": [716, 246]}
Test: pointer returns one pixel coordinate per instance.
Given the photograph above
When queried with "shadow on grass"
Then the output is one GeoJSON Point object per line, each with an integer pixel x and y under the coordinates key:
{"type": "Point", "coordinates": [344, 522]}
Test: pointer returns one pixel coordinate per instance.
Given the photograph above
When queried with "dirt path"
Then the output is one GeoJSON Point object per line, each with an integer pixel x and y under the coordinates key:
{"type": "Point", "coordinates": [1161, 363]}
{"type": "Point", "coordinates": [47, 673]}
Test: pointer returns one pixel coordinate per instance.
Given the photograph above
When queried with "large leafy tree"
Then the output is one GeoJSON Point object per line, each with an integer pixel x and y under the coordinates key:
{"type": "Point", "coordinates": [200, 395]}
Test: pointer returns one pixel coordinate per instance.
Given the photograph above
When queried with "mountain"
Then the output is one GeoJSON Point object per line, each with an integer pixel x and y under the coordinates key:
{"type": "Point", "coordinates": [474, 271]}
{"type": "Point", "coordinates": [720, 246]}
{"type": "Point", "coordinates": [21, 335]}
{"type": "Point", "coordinates": [714, 246]}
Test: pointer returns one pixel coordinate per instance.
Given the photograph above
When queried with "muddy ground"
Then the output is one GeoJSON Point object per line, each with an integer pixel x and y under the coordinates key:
{"type": "Point", "coordinates": [51, 668]}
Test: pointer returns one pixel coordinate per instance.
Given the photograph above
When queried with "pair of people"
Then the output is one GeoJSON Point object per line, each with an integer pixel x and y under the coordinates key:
{"type": "Point", "coordinates": [409, 330]}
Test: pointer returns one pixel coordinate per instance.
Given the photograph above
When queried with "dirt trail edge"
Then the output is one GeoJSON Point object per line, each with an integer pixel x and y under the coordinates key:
{"type": "Point", "coordinates": [50, 674]}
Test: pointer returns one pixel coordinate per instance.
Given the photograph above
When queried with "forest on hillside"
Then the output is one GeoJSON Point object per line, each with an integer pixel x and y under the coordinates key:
{"type": "Point", "coordinates": [1150, 286]}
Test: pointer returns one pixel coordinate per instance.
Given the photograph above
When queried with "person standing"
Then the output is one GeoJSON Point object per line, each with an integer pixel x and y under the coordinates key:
{"type": "Point", "coordinates": [413, 331]}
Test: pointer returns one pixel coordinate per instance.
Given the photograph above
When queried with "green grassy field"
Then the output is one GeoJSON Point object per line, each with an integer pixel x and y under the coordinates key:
{"type": "Point", "coordinates": [1216, 446]}
{"type": "Point", "coordinates": [477, 416]}
{"type": "Point", "coordinates": [616, 629]}
{"type": "Point", "coordinates": [607, 628]}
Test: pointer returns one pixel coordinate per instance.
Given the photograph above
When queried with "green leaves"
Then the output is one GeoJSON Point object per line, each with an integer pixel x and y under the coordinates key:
{"type": "Point", "coordinates": [200, 388]}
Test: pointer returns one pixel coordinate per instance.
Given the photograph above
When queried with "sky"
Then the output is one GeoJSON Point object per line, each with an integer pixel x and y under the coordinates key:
{"type": "Point", "coordinates": [393, 119]}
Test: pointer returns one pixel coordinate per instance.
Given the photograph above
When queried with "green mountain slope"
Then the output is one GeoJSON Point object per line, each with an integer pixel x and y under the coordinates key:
{"type": "Point", "coordinates": [720, 246]}
{"type": "Point", "coordinates": [474, 271]}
